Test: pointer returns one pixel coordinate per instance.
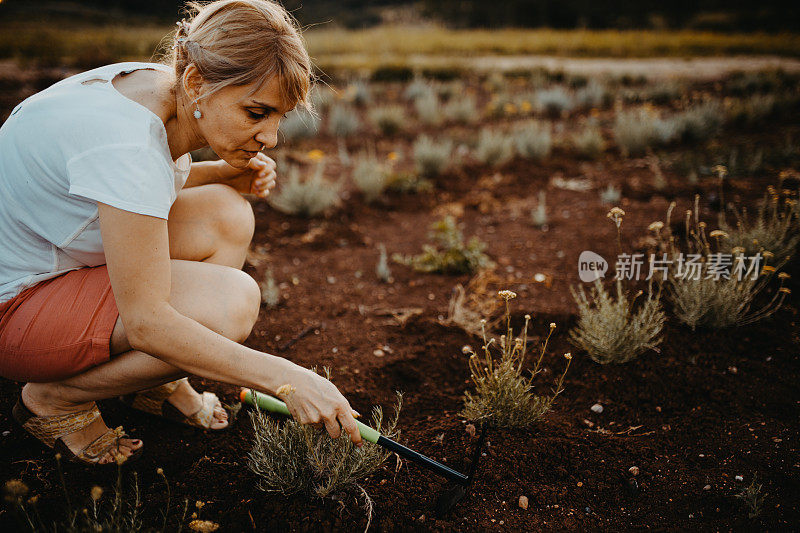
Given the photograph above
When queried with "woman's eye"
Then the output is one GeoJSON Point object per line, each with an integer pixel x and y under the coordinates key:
{"type": "Point", "coordinates": [256, 116]}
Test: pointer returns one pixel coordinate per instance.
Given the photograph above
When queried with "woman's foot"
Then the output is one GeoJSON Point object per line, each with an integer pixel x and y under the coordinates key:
{"type": "Point", "coordinates": [42, 399]}
{"type": "Point", "coordinates": [188, 401]}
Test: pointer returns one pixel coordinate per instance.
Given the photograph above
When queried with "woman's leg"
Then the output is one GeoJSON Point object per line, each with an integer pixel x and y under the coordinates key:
{"type": "Point", "coordinates": [210, 229]}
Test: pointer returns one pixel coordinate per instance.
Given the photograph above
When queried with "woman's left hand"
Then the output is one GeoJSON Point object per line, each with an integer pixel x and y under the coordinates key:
{"type": "Point", "coordinates": [257, 178]}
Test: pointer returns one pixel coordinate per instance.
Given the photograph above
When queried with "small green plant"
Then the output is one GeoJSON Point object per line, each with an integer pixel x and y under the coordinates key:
{"type": "Point", "coordinates": [610, 195]}
{"type": "Point", "coordinates": [428, 108]}
{"type": "Point", "coordinates": [95, 512]}
{"type": "Point", "coordinates": [503, 396]}
{"type": "Point", "coordinates": [775, 227]}
{"type": "Point", "coordinates": [705, 291]}
{"type": "Point", "coordinates": [270, 293]}
{"type": "Point", "coordinates": [453, 255]}
{"type": "Point", "coordinates": [343, 121]}
{"type": "Point", "coordinates": [370, 177]}
{"type": "Point", "coordinates": [589, 142]}
{"type": "Point", "coordinates": [539, 213]}
{"type": "Point", "coordinates": [635, 130]}
{"type": "Point", "coordinates": [700, 122]}
{"type": "Point", "coordinates": [431, 157]}
{"type": "Point", "coordinates": [310, 197]}
{"type": "Point", "coordinates": [494, 148]}
{"type": "Point", "coordinates": [358, 92]}
{"type": "Point", "coordinates": [533, 140]}
{"type": "Point", "coordinates": [299, 124]}
{"type": "Point", "coordinates": [752, 498]}
{"type": "Point", "coordinates": [388, 119]}
{"type": "Point", "coordinates": [382, 269]}
{"type": "Point", "coordinates": [594, 94]}
{"type": "Point", "coordinates": [291, 458]}
{"type": "Point", "coordinates": [556, 101]}
{"type": "Point", "coordinates": [609, 329]}
{"type": "Point", "coordinates": [417, 88]}
{"type": "Point", "coordinates": [461, 110]}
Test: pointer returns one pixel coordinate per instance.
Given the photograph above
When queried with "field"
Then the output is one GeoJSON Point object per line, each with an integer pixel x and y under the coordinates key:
{"type": "Point", "coordinates": [703, 417]}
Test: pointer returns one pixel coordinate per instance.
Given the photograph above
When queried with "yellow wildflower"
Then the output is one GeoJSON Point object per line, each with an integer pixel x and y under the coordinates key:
{"type": "Point", "coordinates": [97, 493]}
{"type": "Point", "coordinates": [316, 155]}
{"type": "Point", "coordinates": [392, 156]}
{"type": "Point", "coordinates": [203, 526]}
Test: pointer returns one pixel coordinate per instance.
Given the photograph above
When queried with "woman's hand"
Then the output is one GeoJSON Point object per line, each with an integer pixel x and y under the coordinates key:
{"type": "Point", "coordinates": [258, 178]}
{"type": "Point", "coordinates": [312, 399]}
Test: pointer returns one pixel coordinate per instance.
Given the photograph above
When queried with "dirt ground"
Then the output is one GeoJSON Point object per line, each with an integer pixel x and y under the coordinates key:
{"type": "Point", "coordinates": [707, 407]}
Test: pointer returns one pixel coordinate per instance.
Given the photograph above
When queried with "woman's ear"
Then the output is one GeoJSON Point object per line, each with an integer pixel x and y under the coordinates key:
{"type": "Point", "coordinates": [192, 81]}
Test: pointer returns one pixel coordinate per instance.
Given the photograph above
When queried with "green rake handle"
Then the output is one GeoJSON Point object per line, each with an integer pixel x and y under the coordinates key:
{"type": "Point", "coordinates": [274, 405]}
{"type": "Point", "coordinates": [269, 403]}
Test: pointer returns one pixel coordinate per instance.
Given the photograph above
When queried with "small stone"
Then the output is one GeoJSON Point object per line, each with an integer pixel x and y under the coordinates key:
{"type": "Point", "coordinates": [634, 471]}
{"type": "Point", "coordinates": [470, 429]}
{"type": "Point", "coordinates": [580, 483]}
{"type": "Point", "coordinates": [587, 509]}
{"type": "Point", "coordinates": [733, 369]}
{"type": "Point", "coordinates": [707, 487]}
{"type": "Point", "coordinates": [6, 433]}
{"type": "Point", "coordinates": [658, 408]}
{"type": "Point", "coordinates": [523, 502]}
{"type": "Point", "coordinates": [739, 478]}
{"type": "Point", "coordinates": [597, 408]}
{"type": "Point", "coordinates": [331, 280]}
{"type": "Point", "coordinates": [378, 353]}
{"type": "Point", "coordinates": [431, 296]}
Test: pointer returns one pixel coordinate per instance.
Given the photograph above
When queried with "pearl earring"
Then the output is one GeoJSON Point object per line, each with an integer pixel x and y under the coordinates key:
{"type": "Point", "coordinates": [197, 113]}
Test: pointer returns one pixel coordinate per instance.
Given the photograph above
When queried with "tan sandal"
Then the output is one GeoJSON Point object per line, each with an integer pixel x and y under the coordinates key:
{"type": "Point", "coordinates": [50, 429]}
{"type": "Point", "coordinates": [154, 401]}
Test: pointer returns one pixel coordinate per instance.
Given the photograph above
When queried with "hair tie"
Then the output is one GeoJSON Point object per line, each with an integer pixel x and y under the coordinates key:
{"type": "Point", "coordinates": [183, 27]}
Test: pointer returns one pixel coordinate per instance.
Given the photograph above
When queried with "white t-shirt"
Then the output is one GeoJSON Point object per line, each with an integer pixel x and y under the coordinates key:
{"type": "Point", "coordinates": [64, 149]}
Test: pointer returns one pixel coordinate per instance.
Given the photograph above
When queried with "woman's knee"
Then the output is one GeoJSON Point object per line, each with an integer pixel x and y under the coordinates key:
{"type": "Point", "coordinates": [247, 304]}
{"type": "Point", "coordinates": [233, 215]}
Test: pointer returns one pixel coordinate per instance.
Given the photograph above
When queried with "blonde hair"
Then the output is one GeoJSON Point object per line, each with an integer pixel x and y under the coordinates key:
{"type": "Point", "coordinates": [240, 42]}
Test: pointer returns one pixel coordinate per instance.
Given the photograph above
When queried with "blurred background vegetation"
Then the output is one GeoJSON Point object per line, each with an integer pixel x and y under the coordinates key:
{"type": "Point", "coordinates": [392, 35]}
{"type": "Point", "coordinates": [716, 15]}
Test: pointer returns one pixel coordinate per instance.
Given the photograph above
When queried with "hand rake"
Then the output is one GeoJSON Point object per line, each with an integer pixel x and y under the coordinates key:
{"type": "Point", "coordinates": [448, 499]}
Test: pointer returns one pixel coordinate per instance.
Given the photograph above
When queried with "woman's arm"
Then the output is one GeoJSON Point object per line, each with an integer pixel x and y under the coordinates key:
{"type": "Point", "coordinates": [258, 178]}
{"type": "Point", "coordinates": [137, 254]}
{"type": "Point", "coordinates": [202, 173]}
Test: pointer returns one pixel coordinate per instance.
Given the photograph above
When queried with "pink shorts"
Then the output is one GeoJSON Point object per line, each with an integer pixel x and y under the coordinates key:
{"type": "Point", "coordinates": [59, 327]}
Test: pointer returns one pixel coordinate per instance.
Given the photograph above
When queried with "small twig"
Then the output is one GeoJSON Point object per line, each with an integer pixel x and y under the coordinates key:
{"type": "Point", "coordinates": [288, 344]}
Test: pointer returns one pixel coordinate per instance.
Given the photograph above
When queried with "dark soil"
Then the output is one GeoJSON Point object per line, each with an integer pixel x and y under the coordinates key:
{"type": "Point", "coordinates": [710, 406]}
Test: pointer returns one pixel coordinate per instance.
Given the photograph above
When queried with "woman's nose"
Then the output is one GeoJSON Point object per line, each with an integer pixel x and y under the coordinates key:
{"type": "Point", "coordinates": [269, 136]}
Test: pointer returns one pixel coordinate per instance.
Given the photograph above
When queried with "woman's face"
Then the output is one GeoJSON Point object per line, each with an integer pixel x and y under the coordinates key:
{"type": "Point", "coordinates": [237, 124]}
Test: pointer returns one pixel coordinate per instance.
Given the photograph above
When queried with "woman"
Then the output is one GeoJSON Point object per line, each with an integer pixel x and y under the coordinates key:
{"type": "Point", "coordinates": [120, 260]}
